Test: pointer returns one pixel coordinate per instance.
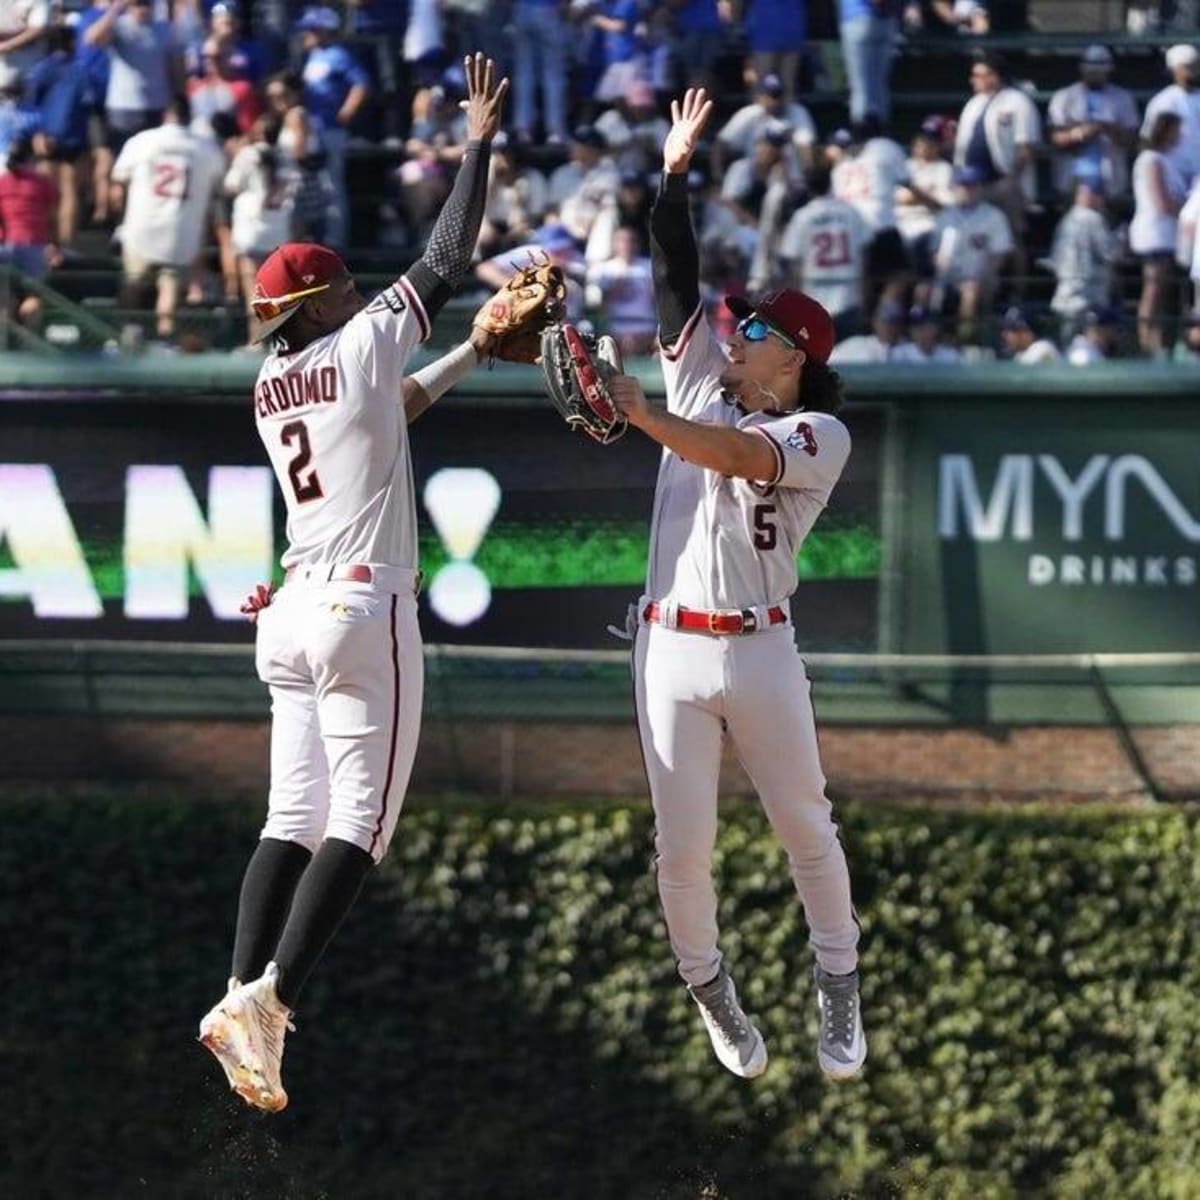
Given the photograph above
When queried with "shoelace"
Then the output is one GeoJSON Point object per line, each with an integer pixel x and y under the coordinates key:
{"type": "Point", "coordinates": [729, 1018]}
{"type": "Point", "coordinates": [273, 1025]}
{"type": "Point", "coordinates": [839, 1012]}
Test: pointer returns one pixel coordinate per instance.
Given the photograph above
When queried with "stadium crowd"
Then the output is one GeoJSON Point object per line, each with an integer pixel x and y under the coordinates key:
{"type": "Point", "coordinates": [201, 134]}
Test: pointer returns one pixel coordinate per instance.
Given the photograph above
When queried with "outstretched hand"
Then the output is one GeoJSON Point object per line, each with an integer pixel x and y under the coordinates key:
{"type": "Point", "coordinates": [687, 123]}
{"type": "Point", "coordinates": [485, 98]}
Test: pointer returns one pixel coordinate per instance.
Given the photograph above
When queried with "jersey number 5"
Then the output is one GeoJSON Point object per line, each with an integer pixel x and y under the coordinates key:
{"type": "Point", "coordinates": [308, 488]}
{"type": "Point", "coordinates": [765, 536]}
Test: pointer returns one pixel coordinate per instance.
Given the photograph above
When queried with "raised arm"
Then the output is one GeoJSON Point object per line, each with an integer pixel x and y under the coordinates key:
{"type": "Point", "coordinates": [673, 252]}
{"type": "Point", "coordinates": [452, 242]}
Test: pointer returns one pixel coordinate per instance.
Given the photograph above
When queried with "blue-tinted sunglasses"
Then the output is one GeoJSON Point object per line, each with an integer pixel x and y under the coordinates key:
{"type": "Point", "coordinates": [754, 329]}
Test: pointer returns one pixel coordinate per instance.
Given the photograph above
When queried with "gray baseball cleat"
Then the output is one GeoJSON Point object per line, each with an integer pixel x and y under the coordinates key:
{"type": "Point", "coordinates": [737, 1044]}
{"type": "Point", "coordinates": [841, 1044]}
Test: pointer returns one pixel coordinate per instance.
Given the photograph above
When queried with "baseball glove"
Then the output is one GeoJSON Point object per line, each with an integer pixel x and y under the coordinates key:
{"type": "Point", "coordinates": [534, 297]}
{"type": "Point", "coordinates": [577, 368]}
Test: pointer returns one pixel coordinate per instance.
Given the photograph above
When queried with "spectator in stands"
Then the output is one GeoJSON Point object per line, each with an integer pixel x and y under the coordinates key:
{"type": "Point", "coordinates": [94, 60]}
{"type": "Point", "coordinates": [434, 147]}
{"type": "Point", "coordinates": [698, 39]}
{"type": "Point", "coordinates": [378, 28]}
{"type": "Point", "coordinates": [171, 176]}
{"type": "Point", "coordinates": [971, 240]}
{"type": "Point", "coordinates": [737, 136]}
{"type": "Point", "coordinates": [968, 17]}
{"type": "Point", "coordinates": [300, 147]}
{"type": "Point", "coordinates": [28, 201]}
{"type": "Point", "coordinates": [1099, 338]}
{"type": "Point", "coordinates": [475, 25]}
{"type": "Point", "coordinates": [335, 89]}
{"type": "Point", "coordinates": [1093, 126]}
{"type": "Point", "coordinates": [750, 181]}
{"type": "Point", "coordinates": [999, 132]}
{"type": "Point", "coordinates": [924, 346]}
{"type": "Point", "coordinates": [823, 252]}
{"type": "Point", "coordinates": [424, 42]}
{"type": "Point", "coordinates": [868, 32]}
{"type": "Point", "coordinates": [623, 287]}
{"type": "Point", "coordinates": [929, 188]}
{"type": "Point", "coordinates": [1187, 349]}
{"type": "Point", "coordinates": [630, 209]}
{"type": "Point", "coordinates": [552, 240]}
{"type": "Point", "coordinates": [516, 200]}
{"type": "Point", "coordinates": [726, 244]}
{"type": "Point", "coordinates": [879, 346]}
{"type": "Point", "coordinates": [540, 33]}
{"type": "Point", "coordinates": [245, 56]}
{"type": "Point", "coordinates": [218, 91]}
{"type": "Point", "coordinates": [23, 27]}
{"type": "Point", "coordinates": [1020, 341]}
{"type": "Point", "coordinates": [1082, 256]}
{"type": "Point", "coordinates": [1188, 242]}
{"type": "Point", "coordinates": [61, 89]}
{"type": "Point", "coordinates": [596, 186]}
{"type": "Point", "coordinates": [17, 119]}
{"type": "Point", "coordinates": [633, 128]}
{"type": "Point", "coordinates": [144, 68]}
{"type": "Point", "coordinates": [1183, 99]}
{"type": "Point", "coordinates": [776, 32]}
{"type": "Point", "coordinates": [1158, 194]}
{"type": "Point", "coordinates": [262, 184]}
{"type": "Point", "coordinates": [868, 177]}
{"type": "Point", "coordinates": [621, 50]}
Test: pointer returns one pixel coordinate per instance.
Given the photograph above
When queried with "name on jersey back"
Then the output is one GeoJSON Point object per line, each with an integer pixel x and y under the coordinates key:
{"type": "Point", "coordinates": [299, 389]}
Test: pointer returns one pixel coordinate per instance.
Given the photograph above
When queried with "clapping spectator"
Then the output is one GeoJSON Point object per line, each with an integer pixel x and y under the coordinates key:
{"type": "Point", "coordinates": [1098, 341]}
{"type": "Point", "coordinates": [1159, 191]}
{"type": "Point", "coordinates": [1021, 342]}
{"type": "Point", "coordinates": [928, 188]}
{"type": "Point", "coordinates": [171, 175]}
{"type": "Point", "coordinates": [300, 146]}
{"type": "Point", "coordinates": [623, 286]}
{"type": "Point", "coordinates": [823, 252]}
{"type": "Point", "coordinates": [335, 89]}
{"type": "Point", "coordinates": [61, 89]}
{"type": "Point", "coordinates": [868, 31]}
{"type": "Point", "coordinates": [998, 135]}
{"type": "Point", "coordinates": [737, 136]}
{"type": "Point", "coordinates": [540, 33]}
{"type": "Point", "coordinates": [144, 67]}
{"type": "Point", "coordinates": [924, 346]}
{"type": "Point", "coordinates": [218, 91]}
{"type": "Point", "coordinates": [23, 25]}
{"type": "Point", "coordinates": [776, 34]}
{"type": "Point", "coordinates": [971, 240]}
{"type": "Point", "coordinates": [1093, 125]}
{"type": "Point", "coordinates": [262, 184]}
{"type": "Point", "coordinates": [1082, 255]}
{"type": "Point", "coordinates": [1182, 97]}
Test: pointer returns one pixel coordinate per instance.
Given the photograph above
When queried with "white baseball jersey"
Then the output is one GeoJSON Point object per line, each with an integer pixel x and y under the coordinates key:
{"type": "Point", "coordinates": [263, 202]}
{"type": "Point", "coordinates": [330, 419]}
{"type": "Point", "coordinates": [172, 174]}
{"type": "Point", "coordinates": [720, 542]}
{"type": "Point", "coordinates": [741, 131]}
{"type": "Point", "coordinates": [869, 181]}
{"type": "Point", "coordinates": [936, 179]}
{"type": "Point", "coordinates": [966, 239]}
{"type": "Point", "coordinates": [1010, 120]}
{"type": "Point", "coordinates": [827, 240]}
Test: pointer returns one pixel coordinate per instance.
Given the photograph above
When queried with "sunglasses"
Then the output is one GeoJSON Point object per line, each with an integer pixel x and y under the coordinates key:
{"type": "Point", "coordinates": [267, 308]}
{"type": "Point", "coordinates": [754, 329]}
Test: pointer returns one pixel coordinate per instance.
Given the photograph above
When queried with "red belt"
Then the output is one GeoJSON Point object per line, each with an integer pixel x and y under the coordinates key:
{"type": "Point", "coordinates": [724, 621]}
{"type": "Point", "coordinates": [348, 572]}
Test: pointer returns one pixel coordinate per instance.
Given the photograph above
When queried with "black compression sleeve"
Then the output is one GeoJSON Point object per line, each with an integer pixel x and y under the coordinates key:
{"type": "Point", "coordinates": [675, 257]}
{"type": "Point", "coordinates": [452, 242]}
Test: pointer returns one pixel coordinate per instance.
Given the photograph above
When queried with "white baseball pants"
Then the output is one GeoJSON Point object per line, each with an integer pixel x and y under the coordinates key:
{"type": "Point", "coordinates": [690, 688]}
{"type": "Point", "coordinates": [344, 666]}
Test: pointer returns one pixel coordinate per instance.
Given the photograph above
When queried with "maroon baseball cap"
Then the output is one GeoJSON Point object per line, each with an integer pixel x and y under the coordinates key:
{"type": "Point", "coordinates": [290, 274]}
{"type": "Point", "coordinates": [795, 315]}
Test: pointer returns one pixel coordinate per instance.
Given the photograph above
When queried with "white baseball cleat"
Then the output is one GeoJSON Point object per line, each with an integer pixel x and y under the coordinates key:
{"type": "Point", "coordinates": [841, 1042]}
{"type": "Point", "coordinates": [739, 1047]}
{"type": "Point", "coordinates": [245, 1032]}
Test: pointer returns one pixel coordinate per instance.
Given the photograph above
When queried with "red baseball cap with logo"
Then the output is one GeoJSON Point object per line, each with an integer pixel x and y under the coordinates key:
{"type": "Point", "coordinates": [797, 316]}
{"type": "Point", "coordinates": [290, 274]}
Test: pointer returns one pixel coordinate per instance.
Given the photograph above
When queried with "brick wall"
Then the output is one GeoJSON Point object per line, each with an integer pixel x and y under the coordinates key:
{"type": "Point", "coordinates": [501, 758]}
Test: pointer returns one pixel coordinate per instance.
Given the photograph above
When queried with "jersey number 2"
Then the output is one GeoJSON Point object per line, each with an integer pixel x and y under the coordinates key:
{"type": "Point", "coordinates": [305, 489]}
{"type": "Point", "coordinates": [765, 535]}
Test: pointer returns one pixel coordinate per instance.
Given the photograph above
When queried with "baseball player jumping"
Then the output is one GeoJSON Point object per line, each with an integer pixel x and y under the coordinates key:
{"type": "Point", "coordinates": [751, 453]}
{"type": "Point", "coordinates": [339, 646]}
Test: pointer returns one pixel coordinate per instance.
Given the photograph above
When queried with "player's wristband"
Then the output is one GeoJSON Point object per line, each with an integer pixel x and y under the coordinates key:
{"type": "Point", "coordinates": [439, 376]}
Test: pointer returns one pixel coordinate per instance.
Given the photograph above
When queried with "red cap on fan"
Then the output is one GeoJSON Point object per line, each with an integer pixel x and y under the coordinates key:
{"type": "Point", "coordinates": [795, 315]}
{"type": "Point", "coordinates": [293, 272]}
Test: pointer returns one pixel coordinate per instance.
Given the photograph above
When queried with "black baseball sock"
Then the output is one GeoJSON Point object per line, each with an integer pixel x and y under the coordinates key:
{"type": "Point", "coordinates": [325, 895]}
{"type": "Point", "coordinates": [270, 881]}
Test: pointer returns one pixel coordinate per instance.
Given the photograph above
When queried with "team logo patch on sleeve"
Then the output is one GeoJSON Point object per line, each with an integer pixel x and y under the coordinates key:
{"type": "Point", "coordinates": [390, 299]}
{"type": "Point", "coordinates": [801, 438]}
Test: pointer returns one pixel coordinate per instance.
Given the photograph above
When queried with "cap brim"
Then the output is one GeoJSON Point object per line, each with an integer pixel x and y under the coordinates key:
{"type": "Point", "coordinates": [739, 306]}
{"type": "Point", "coordinates": [263, 329]}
